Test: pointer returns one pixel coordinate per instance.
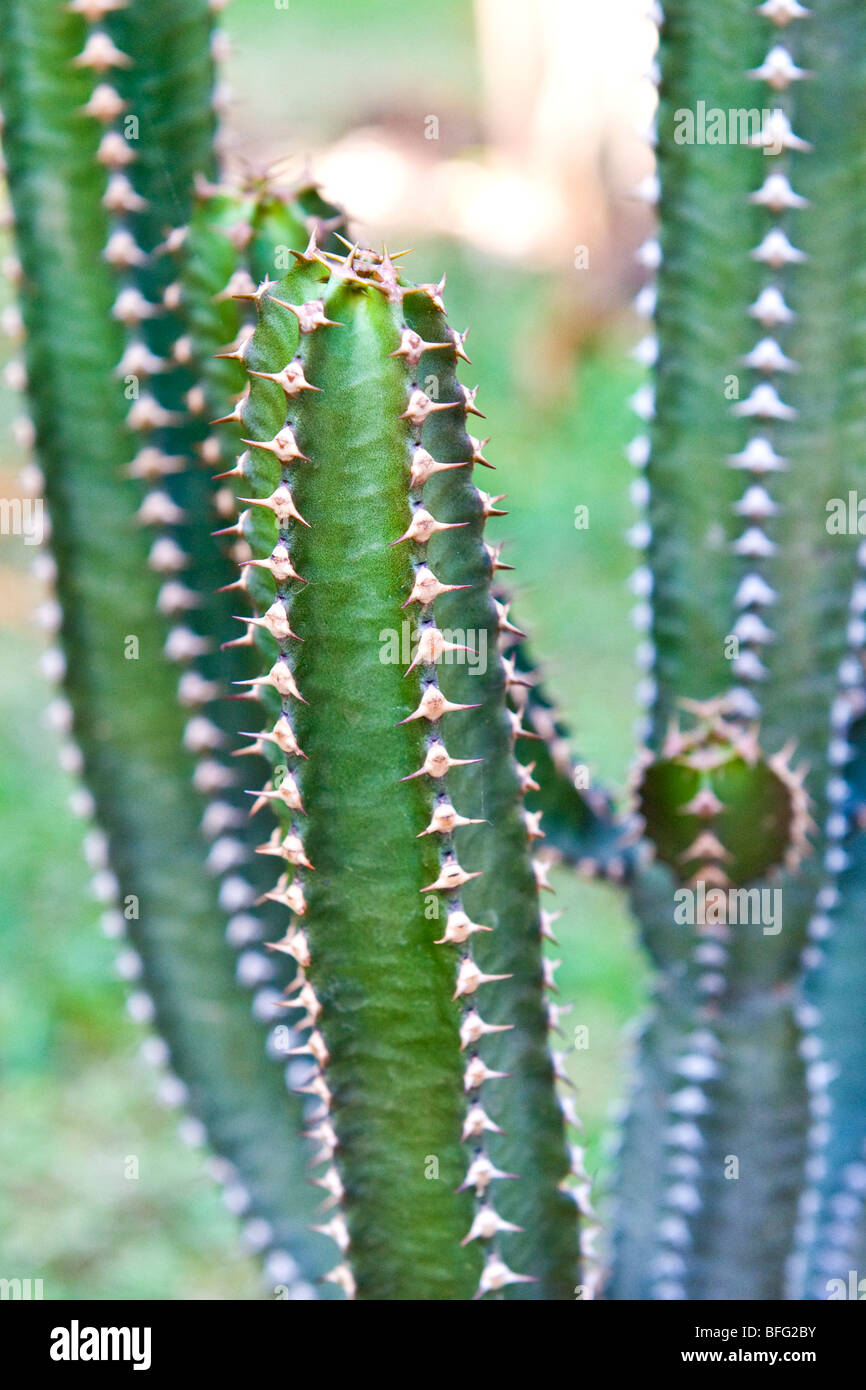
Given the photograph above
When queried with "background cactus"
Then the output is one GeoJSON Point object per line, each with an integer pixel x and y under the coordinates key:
{"type": "Point", "coordinates": [353, 609]}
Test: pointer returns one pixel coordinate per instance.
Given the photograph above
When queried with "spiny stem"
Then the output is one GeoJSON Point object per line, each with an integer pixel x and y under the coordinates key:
{"type": "Point", "coordinates": [748, 618]}
{"type": "Point", "coordinates": [121, 691]}
{"type": "Point", "coordinates": [341, 488]}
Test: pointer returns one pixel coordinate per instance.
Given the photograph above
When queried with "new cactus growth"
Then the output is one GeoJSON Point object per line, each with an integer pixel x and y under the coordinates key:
{"type": "Point", "coordinates": [282, 624]}
{"type": "Point", "coordinates": [715, 810]}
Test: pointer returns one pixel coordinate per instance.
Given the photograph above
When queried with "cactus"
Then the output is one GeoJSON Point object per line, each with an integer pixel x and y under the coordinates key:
{"type": "Point", "coordinates": [403, 898]}
{"type": "Point", "coordinates": [726, 1048]}
{"type": "Point", "coordinates": [301, 531]}
{"type": "Point", "coordinates": [127, 725]}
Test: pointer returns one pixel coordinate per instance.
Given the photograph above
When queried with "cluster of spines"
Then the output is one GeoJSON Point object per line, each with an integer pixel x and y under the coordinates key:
{"type": "Point", "coordinates": [459, 931]}
{"type": "Point", "coordinates": [764, 405]}
{"type": "Point", "coordinates": [531, 720]}
{"type": "Point", "coordinates": [768, 364]}
{"type": "Point", "coordinates": [142, 300]}
{"type": "Point", "coordinates": [487, 1224]}
{"type": "Point", "coordinates": [59, 715]}
{"type": "Point", "coordinates": [220, 388]}
{"type": "Point", "coordinates": [645, 352]}
{"type": "Point", "coordinates": [282, 791]}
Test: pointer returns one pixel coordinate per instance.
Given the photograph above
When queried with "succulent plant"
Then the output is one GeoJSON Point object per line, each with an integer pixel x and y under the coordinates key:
{"type": "Point", "coordinates": [273, 494]}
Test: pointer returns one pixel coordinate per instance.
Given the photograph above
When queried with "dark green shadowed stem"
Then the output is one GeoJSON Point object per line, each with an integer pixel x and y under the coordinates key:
{"type": "Point", "coordinates": [126, 718]}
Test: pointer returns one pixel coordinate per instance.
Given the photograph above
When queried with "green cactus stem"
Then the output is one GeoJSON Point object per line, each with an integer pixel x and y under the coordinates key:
{"type": "Point", "coordinates": [750, 407]}
{"type": "Point", "coordinates": [123, 712]}
{"type": "Point", "coordinates": [353, 521]}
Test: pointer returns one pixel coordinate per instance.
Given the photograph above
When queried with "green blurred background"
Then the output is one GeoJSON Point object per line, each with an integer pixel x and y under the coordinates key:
{"type": "Point", "coordinates": [553, 364]}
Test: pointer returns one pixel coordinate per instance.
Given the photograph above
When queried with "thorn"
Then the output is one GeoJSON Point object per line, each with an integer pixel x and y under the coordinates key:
{"type": "Point", "coordinates": [291, 378]}
{"type": "Point", "coordinates": [114, 152]}
{"type": "Point", "coordinates": [310, 316]}
{"type": "Point", "coordinates": [282, 735]}
{"type": "Point", "coordinates": [287, 792]}
{"type": "Point", "coordinates": [524, 774]}
{"type": "Point", "coordinates": [105, 104]}
{"type": "Point", "coordinates": [437, 762]}
{"type": "Point", "coordinates": [476, 1123]}
{"type": "Point", "coordinates": [235, 415]}
{"type": "Point", "coordinates": [280, 502]}
{"type": "Point", "coordinates": [421, 406]}
{"type": "Point", "coordinates": [289, 847]}
{"type": "Point", "coordinates": [237, 353]}
{"type": "Point", "coordinates": [545, 925]}
{"type": "Point", "coordinates": [502, 619]}
{"type": "Point", "coordinates": [291, 895]}
{"type": "Point", "coordinates": [123, 251]}
{"type": "Point", "coordinates": [488, 504]}
{"type": "Point", "coordinates": [279, 564]}
{"type": "Point", "coordinates": [480, 1173]}
{"type": "Point", "coordinates": [341, 1274]}
{"type": "Point", "coordinates": [101, 54]}
{"type": "Point", "coordinates": [412, 346]}
{"type": "Point", "coordinates": [121, 197]}
{"type": "Point", "coordinates": [283, 446]}
{"type": "Point", "coordinates": [280, 678]}
{"type": "Point", "coordinates": [493, 553]}
{"type": "Point", "coordinates": [275, 621]}
{"type": "Point", "coordinates": [445, 820]}
{"type": "Point", "coordinates": [433, 705]}
{"type": "Point", "coordinates": [432, 646]}
{"type": "Point", "coordinates": [470, 978]}
{"type": "Point", "coordinates": [151, 464]}
{"type": "Point", "coordinates": [338, 1232]}
{"type": "Point", "coordinates": [158, 509]}
{"type": "Point", "coordinates": [424, 466]}
{"type": "Point", "coordinates": [473, 1028]}
{"type": "Point", "coordinates": [423, 525]}
{"type": "Point", "coordinates": [458, 341]}
{"type": "Point", "coordinates": [548, 970]}
{"type": "Point", "coordinates": [451, 877]}
{"type": "Point", "coordinates": [130, 307]}
{"type": "Point", "coordinates": [469, 401]}
{"type": "Point", "coordinates": [477, 452]}
{"type": "Point", "coordinates": [459, 927]}
{"type": "Point", "coordinates": [426, 587]}
{"type": "Point", "coordinates": [487, 1224]}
